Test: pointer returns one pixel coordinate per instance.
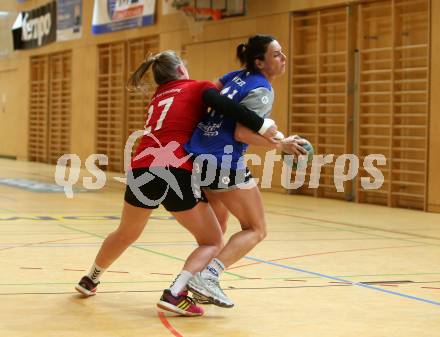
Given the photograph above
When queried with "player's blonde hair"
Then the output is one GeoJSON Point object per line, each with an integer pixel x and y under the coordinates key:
{"type": "Point", "coordinates": [164, 66]}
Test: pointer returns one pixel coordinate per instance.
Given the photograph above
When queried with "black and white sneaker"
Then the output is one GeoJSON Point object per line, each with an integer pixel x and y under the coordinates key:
{"type": "Point", "coordinates": [86, 286]}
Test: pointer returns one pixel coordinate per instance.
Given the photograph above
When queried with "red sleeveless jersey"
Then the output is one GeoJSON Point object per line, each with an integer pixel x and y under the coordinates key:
{"type": "Point", "coordinates": [172, 115]}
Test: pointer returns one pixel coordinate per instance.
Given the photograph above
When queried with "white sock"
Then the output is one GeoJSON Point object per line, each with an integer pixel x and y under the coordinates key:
{"type": "Point", "coordinates": [214, 268]}
{"type": "Point", "coordinates": [180, 282]}
{"type": "Point", "coordinates": [95, 272]}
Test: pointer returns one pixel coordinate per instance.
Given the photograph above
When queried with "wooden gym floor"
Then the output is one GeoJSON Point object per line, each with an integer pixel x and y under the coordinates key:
{"type": "Point", "coordinates": [327, 269]}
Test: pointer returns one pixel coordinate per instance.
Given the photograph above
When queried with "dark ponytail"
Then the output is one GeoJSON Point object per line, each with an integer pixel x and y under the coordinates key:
{"type": "Point", "coordinates": [241, 49]}
{"type": "Point", "coordinates": [253, 50]}
{"type": "Point", "coordinates": [164, 66]}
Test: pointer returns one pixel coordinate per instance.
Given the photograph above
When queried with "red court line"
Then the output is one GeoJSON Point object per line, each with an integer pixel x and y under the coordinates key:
{"type": "Point", "coordinates": [322, 253]}
{"type": "Point", "coordinates": [167, 324]}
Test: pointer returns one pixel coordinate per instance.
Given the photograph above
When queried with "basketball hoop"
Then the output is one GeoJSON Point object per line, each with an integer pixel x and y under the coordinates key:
{"type": "Point", "coordinates": [196, 12]}
{"type": "Point", "coordinates": [202, 14]}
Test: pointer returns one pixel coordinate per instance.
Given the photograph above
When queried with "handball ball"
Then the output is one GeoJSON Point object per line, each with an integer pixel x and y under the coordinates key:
{"type": "Point", "coordinates": [310, 152]}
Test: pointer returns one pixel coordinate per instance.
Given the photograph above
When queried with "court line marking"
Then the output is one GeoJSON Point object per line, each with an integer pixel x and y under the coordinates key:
{"type": "Point", "coordinates": [82, 296]}
{"type": "Point", "coordinates": [358, 284]}
{"type": "Point", "coordinates": [142, 248]}
{"type": "Point", "coordinates": [229, 288]}
{"type": "Point", "coordinates": [356, 226]}
{"type": "Point", "coordinates": [73, 283]}
{"type": "Point", "coordinates": [167, 324]}
{"type": "Point", "coordinates": [375, 235]}
{"type": "Point", "coordinates": [153, 244]}
{"type": "Point", "coordinates": [364, 275]}
{"type": "Point", "coordinates": [161, 291]}
{"type": "Point", "coordinates": [324, 253]}
{"type": "Point", "coordinates": [299, 279]}
{"type": "Point", "coordinates": [38, 243]}
{"type": "Point", "coordinates": [352, 231]}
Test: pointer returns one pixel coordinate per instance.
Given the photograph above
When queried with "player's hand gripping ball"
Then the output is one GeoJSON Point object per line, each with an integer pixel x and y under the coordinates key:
{"type": "Point", "coordinates": [296, 162]}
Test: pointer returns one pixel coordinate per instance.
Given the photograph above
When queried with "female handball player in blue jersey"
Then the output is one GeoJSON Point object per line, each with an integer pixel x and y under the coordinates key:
{"type": "Point", "coordinates": [218, 145]}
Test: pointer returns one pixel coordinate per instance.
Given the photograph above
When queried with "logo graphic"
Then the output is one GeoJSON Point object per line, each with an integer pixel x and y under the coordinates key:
{"type": "Point", "coordinates": [164, 158]}
{"type": "Point", "coordinates": [226, 180]}
{"type": "Point", "coordinates": [95, 274]}
{"type": "Point", "coordinates": [212, 270]}
{"type": "Point", "coordinates": [346, 167]}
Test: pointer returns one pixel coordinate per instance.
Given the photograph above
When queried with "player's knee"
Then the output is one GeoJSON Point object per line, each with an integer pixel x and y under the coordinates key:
{"type": "Point", "coordinates": [261, 234]}
{"type": "Point", "coordinates": [260, 230]}
{"type": "Point", "coordinates": [213, 248]}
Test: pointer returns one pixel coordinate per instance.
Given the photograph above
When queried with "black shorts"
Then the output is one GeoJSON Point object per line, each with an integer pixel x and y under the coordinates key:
{"type": "Point", "coordinates": [218, 179]}
{"type": "Point", "coordinates": [171, 187]}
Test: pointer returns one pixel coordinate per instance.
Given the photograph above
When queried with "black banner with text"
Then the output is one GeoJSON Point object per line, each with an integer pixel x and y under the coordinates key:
{"type": "Point", "coordinates": [35, 28]}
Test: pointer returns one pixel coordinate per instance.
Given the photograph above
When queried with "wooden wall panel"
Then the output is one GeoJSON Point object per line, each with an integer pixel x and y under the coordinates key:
{"type": "Point", "coordinates": [434, 132]}
{"type": "Point", "coordinates": [59, 123]}
{"type": "Point", "coordinates": [110, 121]}
{"type": "Point", "coordinates": [84, 99]}
{"type": "Point", "coordinates": [376, 67]}
{"type": "Point", "coordinates": [38, 109]}
{"type": "Point", "coordinates": [14, 123]}
{"type": "Point", "coordinates": [50, 107]}
{"type": "Point", "coordinates": [394, 103]}
{"type": "Point", "coordinates": [194, 55]}
{"type": "Point", "coordinates": [321, 104]}
{"type": "Point", "coordinates": [411, 103]}
{"type": "Point", "coordinates": [392, 97]}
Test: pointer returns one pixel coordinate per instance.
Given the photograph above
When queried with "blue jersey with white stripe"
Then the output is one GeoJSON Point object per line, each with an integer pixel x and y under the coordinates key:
{"type": "Point", "coordinates": [215, 133]}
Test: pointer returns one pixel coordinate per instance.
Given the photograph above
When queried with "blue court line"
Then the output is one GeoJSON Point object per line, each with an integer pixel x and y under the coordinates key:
{"type": "Point", "coordinates": [346, 281]}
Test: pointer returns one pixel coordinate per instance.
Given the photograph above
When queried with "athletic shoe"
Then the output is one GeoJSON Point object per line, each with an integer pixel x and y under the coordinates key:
{"type": "Point", "coordinates": [86, 286]}
{"type": "Point", "coordinates": [209, 287]}
{"type": "Point", "coordinates": [181, 304]}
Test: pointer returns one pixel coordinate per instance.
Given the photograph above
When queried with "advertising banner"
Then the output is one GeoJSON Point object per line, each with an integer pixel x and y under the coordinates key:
{"type": "Point", "coordinates": [36, 27]}
{"type": "Point", "coordinates": [69, 20]}
{"type": "Point", "coordinates": [114, 15]}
